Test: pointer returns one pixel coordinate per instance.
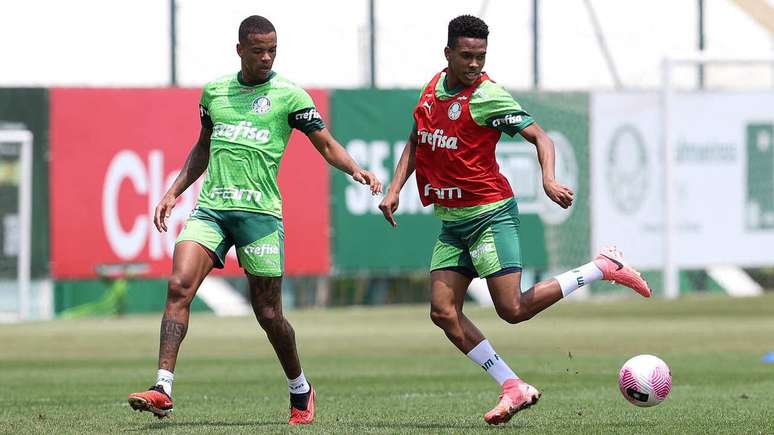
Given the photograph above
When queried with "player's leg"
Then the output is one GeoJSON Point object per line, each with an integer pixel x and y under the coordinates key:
{"type": "Point", "coordinates": [191, 263]}
{"type": "Point", "coordinates": [266, 299]}
{"type": "Point", "coordinates": [499, 260]}
{"type": "Point", "coordinates": [260, 249]}
{"type": "Point", "coordinates": [515, 306]}
{"type": "Point", "coordinates": [201, 246]}
{"type": "Point", "coordinates": [448, 288]}
{"type": "Point", "coordinates": [447, 296]}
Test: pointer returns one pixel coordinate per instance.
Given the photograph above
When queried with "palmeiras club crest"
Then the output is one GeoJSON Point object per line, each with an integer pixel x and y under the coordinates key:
{"type": "Point", "coordinates": [262, 105]}
{"type": "Point", "coordinates": [455, 110]}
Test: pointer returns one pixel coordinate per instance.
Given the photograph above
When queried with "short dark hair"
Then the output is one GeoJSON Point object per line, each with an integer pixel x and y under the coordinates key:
{"type": "Point", "coordinates": [255, 24]}
{"type": "Point", "coordinates": [466, 26]}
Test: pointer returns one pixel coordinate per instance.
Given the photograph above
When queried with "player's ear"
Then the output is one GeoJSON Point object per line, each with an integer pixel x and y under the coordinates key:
{"type": "Point", "coordinates": [239, 49]}
{"type": "Point", "coordinates": [447, 53]}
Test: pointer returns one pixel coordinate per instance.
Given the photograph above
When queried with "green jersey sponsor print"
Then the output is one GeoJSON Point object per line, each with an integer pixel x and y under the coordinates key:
{"type": "Point", "coordinates": [251, 126]}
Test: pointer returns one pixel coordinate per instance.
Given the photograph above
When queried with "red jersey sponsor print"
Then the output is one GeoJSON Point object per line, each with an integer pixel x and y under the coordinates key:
{"type": "Point", "coordinates": [455, 157]}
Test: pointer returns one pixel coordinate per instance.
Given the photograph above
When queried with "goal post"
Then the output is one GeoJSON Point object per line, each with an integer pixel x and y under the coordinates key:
{"type": "Point", "coordinates": [16, 180]}
{"type": "Point", "coordinates": [667, 121]}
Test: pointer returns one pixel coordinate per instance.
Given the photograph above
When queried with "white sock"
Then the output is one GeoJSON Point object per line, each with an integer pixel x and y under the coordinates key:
{"type": "Point", "coordinates": [485, 356]}
{"type": "Point", "coordinates": [573, 279]}
{"type": "Point", "coordinates": [165, 378]}
{"type": "Point", "coordinates": [298, 385]}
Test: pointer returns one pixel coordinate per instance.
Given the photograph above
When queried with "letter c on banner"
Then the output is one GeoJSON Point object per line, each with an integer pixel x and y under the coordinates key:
{"type": "Point", "coordinates": [126, 245]}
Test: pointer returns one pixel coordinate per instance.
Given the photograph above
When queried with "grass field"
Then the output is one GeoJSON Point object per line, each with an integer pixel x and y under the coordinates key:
{"type": "Point", "coordinates": [389, 370]}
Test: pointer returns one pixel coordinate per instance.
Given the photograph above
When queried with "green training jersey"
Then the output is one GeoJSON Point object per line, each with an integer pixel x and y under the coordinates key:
{"type": "Point", "coordinates": [251, 126]}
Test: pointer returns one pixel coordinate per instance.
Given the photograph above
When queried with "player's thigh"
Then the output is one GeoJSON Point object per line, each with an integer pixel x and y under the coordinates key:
{"type": "Point", "coordinates": [206, 228]}
{"type": "Point", "coordinates": [191, 262]}
{"type": "Point", "coordinates": [450, 253]}
{"type": "Point", "coordinates": [505, 289]}
{"type": "Point", "coordinates": [447, 290]}
{"type": "Point", "coordinates": [260, 243]}
{"type": "Point", "coordinates": [494, 247]}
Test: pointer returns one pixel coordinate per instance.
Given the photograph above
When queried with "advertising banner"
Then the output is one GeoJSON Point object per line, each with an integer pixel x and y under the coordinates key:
{"type": "Point", "coordinates": [723, 171]}
{"type": "Point", "coordinates": [374, 124]}
{"type": "Point", "coordinates": [114, 152]}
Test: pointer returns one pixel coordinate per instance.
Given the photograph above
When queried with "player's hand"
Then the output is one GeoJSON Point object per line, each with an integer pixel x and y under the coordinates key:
{"type": "Point", "coordinates": [366, 177]}
{"type": "Point", "coordinates": [558, 193]}
{"type": "Point", "coordinates": [163, 210]}
{"type": "Point", "coordinates": [388, 206]}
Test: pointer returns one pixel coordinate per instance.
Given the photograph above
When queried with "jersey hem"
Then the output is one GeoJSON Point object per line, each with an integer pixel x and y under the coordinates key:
{"type": "Point", "coordinates": [250, 210]}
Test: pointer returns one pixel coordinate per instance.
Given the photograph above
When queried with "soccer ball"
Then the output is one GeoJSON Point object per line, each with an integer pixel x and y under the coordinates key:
{"type": "Point", "coordinates": [645, 380]}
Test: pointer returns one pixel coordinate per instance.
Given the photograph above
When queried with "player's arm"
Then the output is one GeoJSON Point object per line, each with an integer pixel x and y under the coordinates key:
{"type": "Point", "coordinates": [403, 171]}
{"type": "Point", "coordinates": [558, 193]}
{"type": "Point", "coordinates": [194, 167]}
{"type": "Point", "coordinates": [338, 157]}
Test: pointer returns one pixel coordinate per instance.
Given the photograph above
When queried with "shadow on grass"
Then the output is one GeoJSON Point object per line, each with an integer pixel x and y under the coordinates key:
{"type": "Point", "coordinates": [430, 426]}
{"type": "Point", "coordinates": [162, 425]}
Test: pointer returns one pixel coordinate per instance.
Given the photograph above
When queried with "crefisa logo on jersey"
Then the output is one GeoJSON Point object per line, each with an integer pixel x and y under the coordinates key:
{"type": "Point", "coordinates": [262, 105]}
{"type": "Point", "coordinates": [455, 110]}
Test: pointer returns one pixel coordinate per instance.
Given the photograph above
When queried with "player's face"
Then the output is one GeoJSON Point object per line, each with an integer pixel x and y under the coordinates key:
{"type": "Point", "coordinates": [257, 53]}
{"type": "Point", "coordinates": [466, 60]}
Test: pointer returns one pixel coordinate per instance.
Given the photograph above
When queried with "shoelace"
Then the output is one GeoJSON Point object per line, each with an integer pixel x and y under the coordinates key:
{"type": "Point", "coordinates": [160, 389]}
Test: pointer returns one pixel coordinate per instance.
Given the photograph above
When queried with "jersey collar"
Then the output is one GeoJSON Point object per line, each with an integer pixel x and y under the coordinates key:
{"type": "Point", "coordinates": [242, 82]}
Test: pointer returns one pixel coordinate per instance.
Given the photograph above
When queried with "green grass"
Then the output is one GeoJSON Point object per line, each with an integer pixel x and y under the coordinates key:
{"type": "Point", "coordinates": [389, 370]}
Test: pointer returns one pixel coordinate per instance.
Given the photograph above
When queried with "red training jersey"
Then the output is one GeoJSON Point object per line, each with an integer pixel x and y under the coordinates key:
{"type": "Point", "coordinates": [455, 157]}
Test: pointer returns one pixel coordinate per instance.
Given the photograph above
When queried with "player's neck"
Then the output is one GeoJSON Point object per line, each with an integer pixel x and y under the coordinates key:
{"type": "Point", "coordinates": [451, 85]}
{"type": "Point", "coordinates": [249, 81]}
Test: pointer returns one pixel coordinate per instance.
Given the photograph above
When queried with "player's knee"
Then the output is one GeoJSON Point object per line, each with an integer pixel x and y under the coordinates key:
{"type": "Point", "coordinates": [268, 317]}
{"type": "Point", "coordinates": [444, 318]}
{"type": "Point", "coordinates": [514, 314]}
{"type": "Point", "coordinates": [179, 290]}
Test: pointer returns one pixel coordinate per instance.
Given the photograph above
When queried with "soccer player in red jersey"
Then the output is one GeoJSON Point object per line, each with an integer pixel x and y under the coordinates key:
{"type": "Point", "coordinates": [458, 120]}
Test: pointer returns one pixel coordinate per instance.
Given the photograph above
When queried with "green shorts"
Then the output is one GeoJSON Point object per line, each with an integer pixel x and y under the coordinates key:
{"type": "Point", "coordinates": [258, 238]}
{"type": "Point", "coordinates": [482, 245]}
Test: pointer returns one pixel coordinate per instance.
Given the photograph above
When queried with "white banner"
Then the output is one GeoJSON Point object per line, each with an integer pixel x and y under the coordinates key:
{"type": "Point", "coordinates": [723, 170]}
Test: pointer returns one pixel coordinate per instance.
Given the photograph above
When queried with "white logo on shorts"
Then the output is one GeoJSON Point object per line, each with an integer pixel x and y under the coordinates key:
{"type": "Point", "coordinates": [481, 250]}
{"type": "Point", "coordinates": [262, 250]}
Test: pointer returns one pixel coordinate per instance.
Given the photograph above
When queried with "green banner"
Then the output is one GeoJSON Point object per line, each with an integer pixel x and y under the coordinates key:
{"type": "Point", "coordinates": [27, 110]}
{"type": "Point", "coordinates": [373, 126]}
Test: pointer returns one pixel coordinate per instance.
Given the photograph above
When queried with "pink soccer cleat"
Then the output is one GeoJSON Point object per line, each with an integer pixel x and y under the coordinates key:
{"type": "Point", "coordinates": [303, 416]}
{"type": "Point", "coordinates": [516, 395]}
{"type": "Point", "coordinates": [610, 262]}
{"type": "Point", "coordinates": [154, 400]}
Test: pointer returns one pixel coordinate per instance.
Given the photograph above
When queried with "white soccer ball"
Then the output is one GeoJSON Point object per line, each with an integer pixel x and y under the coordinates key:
{"type": "Point", "coordinates": [645, 380]}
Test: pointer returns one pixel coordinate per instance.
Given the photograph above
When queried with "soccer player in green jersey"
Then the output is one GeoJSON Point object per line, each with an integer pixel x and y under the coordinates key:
{"type": "Point", "coordinates": [246, 121]}
{"type": "Point", "coordinates": [459, 118]}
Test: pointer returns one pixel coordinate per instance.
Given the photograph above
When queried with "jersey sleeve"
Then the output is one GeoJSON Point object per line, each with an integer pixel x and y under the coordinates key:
{"type": "Point", "coordinates": [204, 108]}
{"type": "Point", "coordinates": [302, 114]}
{"type": "Point", "coordinates": [494, 107]}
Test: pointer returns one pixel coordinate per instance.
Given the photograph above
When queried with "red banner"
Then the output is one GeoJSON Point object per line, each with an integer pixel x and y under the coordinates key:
{"type": "Point", "coordinates": [114, 152]}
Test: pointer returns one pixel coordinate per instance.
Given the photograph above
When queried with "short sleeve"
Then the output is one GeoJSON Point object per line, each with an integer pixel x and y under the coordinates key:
{"type": "Point", "coordinates": [492, 106]}
{"type": "Point", "coordinates": [204, 109]}
{"type": "Point", "coordinates": [302, 115]}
